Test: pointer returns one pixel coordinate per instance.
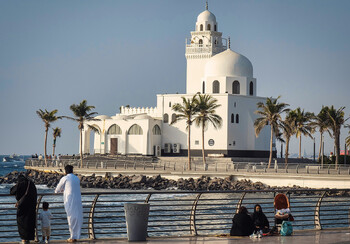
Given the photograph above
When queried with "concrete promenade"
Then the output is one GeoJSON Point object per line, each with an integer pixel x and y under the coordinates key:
{"type": "Point", "coordinates": [338, 236]}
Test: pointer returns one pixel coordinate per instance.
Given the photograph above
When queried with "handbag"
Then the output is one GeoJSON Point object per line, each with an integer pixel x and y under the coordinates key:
{"type": "Point", "coordinates": [20, 201]}
{"type": "Point", "coordinates": [286, 228]}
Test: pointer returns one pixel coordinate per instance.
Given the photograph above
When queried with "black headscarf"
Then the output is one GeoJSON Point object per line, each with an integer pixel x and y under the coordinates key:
{"type": "Point", "coordinates": [26, 196]}
{"type": "Point", "coordinates": [259, 218]}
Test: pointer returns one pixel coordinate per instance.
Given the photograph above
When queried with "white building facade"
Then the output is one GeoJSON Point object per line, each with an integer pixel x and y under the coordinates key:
{"type": "Point", "coordinates": [212, 68]}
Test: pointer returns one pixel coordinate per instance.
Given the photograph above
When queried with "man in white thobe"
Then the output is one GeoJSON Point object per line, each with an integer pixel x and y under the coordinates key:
{"type": "Point", "coordinates": [70, 186]}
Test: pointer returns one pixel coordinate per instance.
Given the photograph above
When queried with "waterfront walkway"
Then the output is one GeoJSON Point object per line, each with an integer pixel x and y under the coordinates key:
{"type": "Point", "coordinates": [339, 236]}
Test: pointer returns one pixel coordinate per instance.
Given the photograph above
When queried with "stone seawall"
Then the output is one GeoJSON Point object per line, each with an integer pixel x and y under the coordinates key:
{"type": "Point", "coordinates": [142, 182]}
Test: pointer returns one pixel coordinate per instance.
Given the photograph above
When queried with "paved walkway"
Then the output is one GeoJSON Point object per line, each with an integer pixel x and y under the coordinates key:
{"type": "Point", "coordinates": [299, 237]}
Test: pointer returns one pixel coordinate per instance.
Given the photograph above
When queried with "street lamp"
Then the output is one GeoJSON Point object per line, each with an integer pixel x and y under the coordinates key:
{"type": "Point", "coordinates": [314, 150]}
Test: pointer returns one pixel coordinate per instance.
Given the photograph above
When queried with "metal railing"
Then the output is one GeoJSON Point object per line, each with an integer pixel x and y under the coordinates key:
{"type": "Point", "coordinates": [179, 213]}
{"type": "Point", "coordinates": [142, 164]}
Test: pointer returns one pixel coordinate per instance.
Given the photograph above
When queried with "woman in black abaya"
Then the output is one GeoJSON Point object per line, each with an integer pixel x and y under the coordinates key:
{"type": "Point", "coordinates": [242, 223]}
{"type": "Point", "coordinates": [260, 221]}
{"type": "Point", "coordinates": [26, 196]}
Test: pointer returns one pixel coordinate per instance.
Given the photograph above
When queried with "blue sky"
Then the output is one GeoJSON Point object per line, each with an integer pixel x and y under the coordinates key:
{"type": "Point", "coordinates": [112, 53]}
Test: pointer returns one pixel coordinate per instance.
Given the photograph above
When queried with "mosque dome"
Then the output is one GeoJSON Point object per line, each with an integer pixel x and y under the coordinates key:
{"type": "Point", "coordinates": [206, 15]}
{"type": "Point", "coordinates": [119, 116]}
{"type": "Point", "coordinates": [142, 116]}
{"type": "Point", "coordinates": [102, 117]}
{"type": "Point", "coordinates": [229, 63]}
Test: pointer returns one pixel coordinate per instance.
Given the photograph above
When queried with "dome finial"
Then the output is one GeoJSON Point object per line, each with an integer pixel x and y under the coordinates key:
{"type": "Point", "coordinates": [206, 5]}
{"type": "Point", "coordinates": [229, 43]}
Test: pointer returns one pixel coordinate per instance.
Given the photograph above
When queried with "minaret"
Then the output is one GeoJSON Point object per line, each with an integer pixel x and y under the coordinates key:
{"type": "Point", "coordinates": [205, 42]}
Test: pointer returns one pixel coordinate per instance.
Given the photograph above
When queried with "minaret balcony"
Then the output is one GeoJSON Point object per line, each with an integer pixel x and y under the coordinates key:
{"type": "Point", "coordinates": [201, 48]}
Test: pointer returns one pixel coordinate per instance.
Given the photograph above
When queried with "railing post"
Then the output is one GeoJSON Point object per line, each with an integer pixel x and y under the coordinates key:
{"type": "Point", "coordinates": [36, 219]}
{"type": "Point", "coordinates": [193, 227]}
{"type": "Point", "coordinates": [91, 229]}
{"type": "Point", "coordinates": [239, 203]}
{"type": "Point", "coordinates": [148, 197]}
{"type": "Point", "coordinates": [317, 219]}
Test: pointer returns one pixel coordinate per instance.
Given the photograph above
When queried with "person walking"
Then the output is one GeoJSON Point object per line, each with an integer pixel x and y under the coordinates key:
{"type": "Point", "coordinates": [26, 196]}
{"type": "Point", "coordinates": [70, 186]}
{"type": "Point", "coordinates": [45, 216]}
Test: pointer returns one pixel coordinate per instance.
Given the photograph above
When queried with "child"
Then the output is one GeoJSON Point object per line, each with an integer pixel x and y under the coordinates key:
{"type": "Point", "coordinates": [45, 216]}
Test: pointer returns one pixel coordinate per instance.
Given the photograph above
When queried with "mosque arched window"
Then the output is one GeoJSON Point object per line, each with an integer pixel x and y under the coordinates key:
{"type": "Point", "coordinates": [215, 42]}
{"type": "Point", "coordinates": [203, 87]}
{"type": "Point", "coordinates": [135, 130]}
{"type": "Point", "coordinates": [173, 118]}
{"type": "Point", "coordinates": [201, 28]}
{"type": "Point", "coordinates": [156, 130]}
{"type": "Point", "coordinates": [232, 118]}
{"type": "Point", "coordinates": [114, 130]}
{"type": "Point", "coordinates": [208, 27]}
{"type": "Point", "coordinates": [214, 27]}
{"type": "Point", "coordinates": [235, 87]}
{"type": "Point", "coordinates": [251, 88]}
{"type": "Point", "coordinates": [165, 118]}
{"type": "Point", "coordinates": [200, 42]}
{"type": "Point", "coordinates": [237, 118]}
{"type": "Point", "coordinates": [216, 86]}
{"type": "Point", "coordinates": [169, 104]}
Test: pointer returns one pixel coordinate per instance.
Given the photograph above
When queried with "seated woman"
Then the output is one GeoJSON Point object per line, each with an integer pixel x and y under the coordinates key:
{"type": "Point", "coordinates": [281, 204]}
{"type": "Point", "coordinates": [242, 223]}
{"type": "Point", "coordinates": [261, 223]}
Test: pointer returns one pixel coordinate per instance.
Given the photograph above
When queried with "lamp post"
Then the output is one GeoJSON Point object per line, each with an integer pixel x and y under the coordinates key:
{"type": "Point", "coordinates": [322, 151]}
{"type": "Point", "coordinates": [314, 150]}
{"type": "Point", "coordinates": [345, 153]}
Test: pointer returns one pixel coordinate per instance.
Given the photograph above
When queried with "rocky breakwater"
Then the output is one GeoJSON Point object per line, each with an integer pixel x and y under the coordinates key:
{"type": "Point", "coordinates": [141, 182]}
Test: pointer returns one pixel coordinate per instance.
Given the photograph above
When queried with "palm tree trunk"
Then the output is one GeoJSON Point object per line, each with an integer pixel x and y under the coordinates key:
{"type": "Point", "coordinates": [45, 153]}
{"type": "Point", "coordinates": [54, 146]}
{"type": "Point", "coordinates": [300, 146]}
{"type": "Point", "coordinates": [270, 158]}
{"type": "Point", "coordinates": [81, 148]}
{"type": "Point", "coordinates": [321, 141]}
{"type": "Point", "coordinates": [337, 148]}
{"type": "Point", "coordinates": [287, 153]}
{"type": "Point", "coordinates": [203, 153]}
{"type": "Point", "coordinates": [189, 147]}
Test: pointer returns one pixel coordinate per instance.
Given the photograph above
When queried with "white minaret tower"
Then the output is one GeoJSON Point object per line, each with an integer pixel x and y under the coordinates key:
{"type": "Point", "coordinates": [205, 42]}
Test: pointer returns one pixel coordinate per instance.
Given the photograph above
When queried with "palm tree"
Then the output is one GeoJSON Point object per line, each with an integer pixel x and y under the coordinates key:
{"type": "Point", "coordinates": [302, 124]}
{"type": "Point", "coordinates": [206, 106]}
{"type": "Point", "coordinates": [56, 133]}
{"type": "Point", "coordinates": [48, 118]}
{"type": "Point", "coordinates": [320, 122]}
{"type": "Point", "coordinates": [288, 130]}
{"type": "Point", "coordinates": [186, 111]}
{"type": "Point", "coordinates": [336, 120]}
{"type": "Point", "coordinates": [82, 114]}
{"type": "Point", "coordinates": [270, 115]}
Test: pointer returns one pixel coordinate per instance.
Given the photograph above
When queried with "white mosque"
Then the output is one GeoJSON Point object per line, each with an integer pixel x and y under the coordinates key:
{"type": "Point", "coordinates": [212, 68]}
